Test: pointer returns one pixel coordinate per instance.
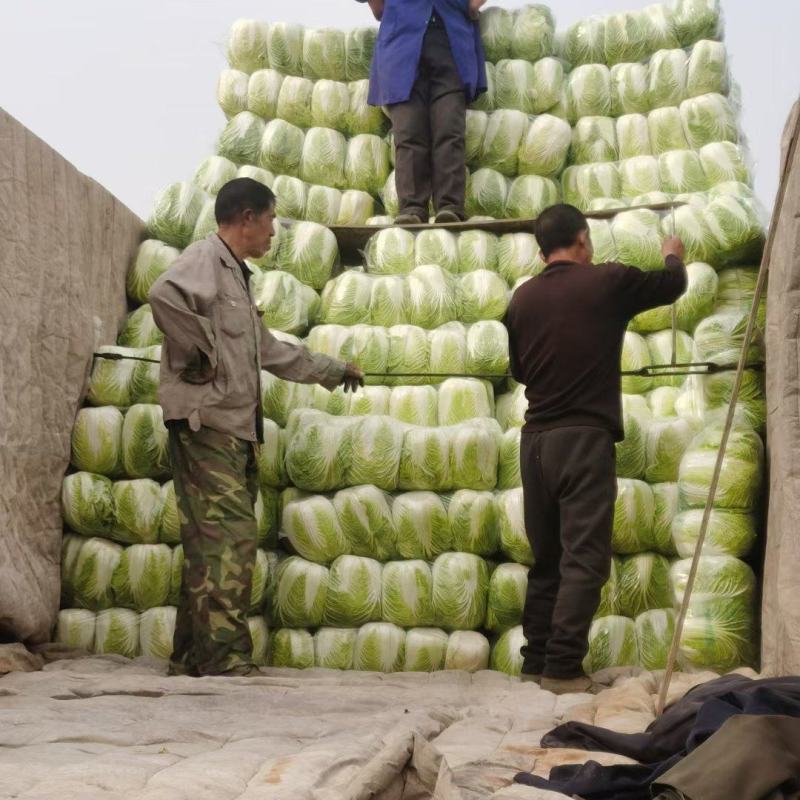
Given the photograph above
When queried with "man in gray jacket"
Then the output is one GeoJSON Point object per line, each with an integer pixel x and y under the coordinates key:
{"type": "Point", "coordinates": [214, 349]}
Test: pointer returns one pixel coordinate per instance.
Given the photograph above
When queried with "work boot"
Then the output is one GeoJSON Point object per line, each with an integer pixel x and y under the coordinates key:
{"type": "Point", "coordinates": [446, 215]}
{"type": "Point", "coordinates": [582, 683]}
{"type": "Point", "coordinates": [408, 219]}
{"type": "Point", "coordinates": [531, 677]}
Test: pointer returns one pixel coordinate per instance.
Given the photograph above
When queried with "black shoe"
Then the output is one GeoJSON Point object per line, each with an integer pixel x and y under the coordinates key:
{"type": "Point", "coordinates": [446, 216]}
{"type": "Point", "coordinates": [408, 219]}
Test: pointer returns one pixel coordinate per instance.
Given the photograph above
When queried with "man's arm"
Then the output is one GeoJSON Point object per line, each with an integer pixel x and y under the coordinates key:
{"type": "Point", "coordinates": [475, 8]}
{"type": "Point", "coordinates": [513, 356]}
{"type": "Point", "coordinates": [296, 363]}
{"type": "Point", "coordinates": [376, 6]}
{"type": "Point", "coordinates": [639, 291]}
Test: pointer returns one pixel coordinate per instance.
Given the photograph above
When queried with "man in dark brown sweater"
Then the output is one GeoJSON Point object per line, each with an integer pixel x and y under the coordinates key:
{"type": "Point", "coordinates": [566, 329]}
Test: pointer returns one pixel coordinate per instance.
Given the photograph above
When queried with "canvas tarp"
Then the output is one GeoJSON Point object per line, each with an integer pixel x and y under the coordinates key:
{"type": "Point", "coordinates": [781, 594]}
{"type": "Point", "coordinates": [65, 244]}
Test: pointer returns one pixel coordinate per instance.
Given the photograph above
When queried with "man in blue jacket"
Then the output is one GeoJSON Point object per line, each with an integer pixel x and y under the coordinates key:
{"type": "Point", "coordinates": [428, 64]}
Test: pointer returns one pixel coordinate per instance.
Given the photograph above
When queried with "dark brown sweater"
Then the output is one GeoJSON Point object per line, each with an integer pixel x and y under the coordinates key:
{"type": "Point", "coordinates": [566, 327]}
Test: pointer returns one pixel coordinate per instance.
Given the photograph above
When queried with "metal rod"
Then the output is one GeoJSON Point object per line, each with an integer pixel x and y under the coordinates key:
{"type": "Point", "coordinates": [712, 490]}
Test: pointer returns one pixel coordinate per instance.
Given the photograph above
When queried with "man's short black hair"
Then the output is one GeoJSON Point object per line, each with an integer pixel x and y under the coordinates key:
{"type": "Point", "coordinates": [558, 226]}
{"type": "Point", "coordinates": [239, 195]}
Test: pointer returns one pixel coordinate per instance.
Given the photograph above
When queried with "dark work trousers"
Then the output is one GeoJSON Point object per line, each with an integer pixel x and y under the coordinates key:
{"type": "Point", "coordinates": [429, 132]}
{"type": "Point", "coordinates": [569, 484]}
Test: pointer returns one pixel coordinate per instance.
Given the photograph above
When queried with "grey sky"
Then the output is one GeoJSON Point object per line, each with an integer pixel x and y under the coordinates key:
{"type": "Point", "coordinates": [126, 90]}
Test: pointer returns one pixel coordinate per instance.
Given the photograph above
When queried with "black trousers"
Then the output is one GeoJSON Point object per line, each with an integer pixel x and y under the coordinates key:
{"type": "Point", "coordinates": [569, 484]}
{"type": "Point", "coordinates": [429, 133]}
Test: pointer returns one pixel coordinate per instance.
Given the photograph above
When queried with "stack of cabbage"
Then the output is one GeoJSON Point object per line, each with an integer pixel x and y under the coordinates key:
{"type": "Point", "coordinates": [391, 520]}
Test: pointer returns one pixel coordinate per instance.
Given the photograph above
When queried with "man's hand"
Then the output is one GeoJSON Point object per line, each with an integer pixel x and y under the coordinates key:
{"type": "Point", "coordinates": [673, 246]}
{"type": "Point", "coordinates": [377, 8]}
{"type": "Point", "coordinates": [199, 371]}
{"type": "Point", "coordinates": [475, 7]}
{"type": "Point", "coordinates": [353, 378]}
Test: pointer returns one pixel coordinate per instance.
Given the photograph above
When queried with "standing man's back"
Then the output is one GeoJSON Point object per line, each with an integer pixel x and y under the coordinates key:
{"type": "Point", "coordinates": [566, 328]}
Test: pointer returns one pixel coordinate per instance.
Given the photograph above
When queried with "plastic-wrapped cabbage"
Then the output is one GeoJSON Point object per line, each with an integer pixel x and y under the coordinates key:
{"type": "Point", "coordinates": [635, 355]}
{"type": "Point", "coordinates": [609, 594]}
{"type": "Point", "coordinates": [240, 139]}
{"type": "Point", "coordinates": [633, 517]}
{"type": "Point", "coordinates": [511, 407]}
{"type": "Point", "coordinates": [436, 247]}
{"type": "Point", "coordinates": [292, 648]}
{"type": "Point", "coordinates": [407, 595]}
{"type": "Point", "coordinates": [232, 91]}
{"type": "Point", "coordinates": [530, 87]}
{"type": "Point", "coordinates": [643, 584]}
{"type": "Point", "coordinates": [584, 42]}
{"type": "Point", "coordinates": [259, 636]}
{"type": "Point", "coordinates": [75, 628]}
{"type": "Point", "coordinates": [589, 92]}
{"type": "Point", "coordinates": [718, 391]}
{"type": "Point", "coordinates": [662, 400]}
{"type": "Point", "coordinates": [391, 252]}
{"type": "Point", "coordinates": [264, 91]}
{"type": "Point", "coordinates": [639, 175]}
{"type": "Point", "coordinates": [324, 54]}
{"type": "Point", "coordinates": [697, 19]}
{"type": "Point", "coordinates": [504, 134]}
{"type": "Point", "coordinates": [668, 76]}
{"type": "Point", "coordinates": [175, 213]}
{"type": "Point", "coordinates": [323, 204]}
{"type": "Point", "coordinates": [654, 632]}
{"type": "Point", "coordinates": [586, 182]}
{"type": "Point", "coordinates": [388, 300]}
{"type": "Point", "coordinates": [626, 38]}
{"type": "Point", "coordinates": [508, 473]}
{"type": "Point", "coordinates": [719, 632]}
{"type": "Point", "coordinates": [145, 442]}
{"type": "Point", "coordinates": [605, 249]}
{"type": "Point", "coordinates": [724, 161]}
{"type": "Point", "coordinates": [612, 643]}
{"type": "Point", "coordinates": [661, 352]}
{"type": "Point", "coordinates": [334, 648]}
{"type": "Point", "coordinates": [266, 511]}
{"type": "Point", "coordinates": [633, 136]}
{"type": "Point", "coordinates": [487, 190]}
{"type": "Point", "coordinates": [532, 33]}
{"type": "Point", "coordinates": [91, 577]}
{"type": "Point", "coordinates": [636, 405]}
{"type": "Point", "coordinates": [285, 303]}
{"type": "Point", "coordinates": [736, 228]}
{"type": "Point", "coordinates": [291, 197]}
{"type": "Point", "coordinates": [720, 338]}
{"type": "Point", "coordinates": [359, 47]}
{"type": "Point", "coordinates": [487, 348]}
{"type": "Point", "coordinates": [477, 250]}
{"type": "Point", "coordinates": [140, 330]}
{"type": "Point", "coordinates": [366, 165]}
{"type": "Point", "coordinates": [346, 298]}
{"type": "Point", "coordinates": [142, 578]}
{"type": "Point", "coordinates": [460, 399]}
{"type": "Point", "coordinates": [485, 101]}
{"type": "Point", "coordinates": [408, 353]}
{"type": "Point", "coordinates": [594, 139]}
{"type": "Point", "coordinates": [529, 195]}
{"type": "Point", "coordinates": [380, 647]}
{"type": "Point", "coordinates": [279, 397]}
{"type": "Point", "coordinates": [631, 450]}
{"type": "Point", "coordinates": [506, 656]}
{"type": "Point", "coordinates": [111, 382]}
{"type": "Point", "coordinates": [97, 441]}
{"type": "Point", "coordinates": [247, 45]}
{"type": "Point", "coordinates": [660, 27]}
{"type": "Point", "coordinates": [422, 525]}
{"type": "Point", "coordinates": [318, 451]}
{"type": "Point", "coordinates": [666, 130]}
{"type": "Point", "coordinates": [729, 533]}
{"type": "Point", "coordinates": [637, 235]}
{"type": "Point", "coordinates": [741, 477]}
{"type": "Point", "coordinates": [355, 208]}
{"type": "Point", "coordinates": [281, 147]}
{"type": "Point", "coordinates": [425, 650]}
{"type": "Point", "coordinates": [468, 651]}
{"type": "Point", "coordinates": [709, 118]}
{"type": "Point", "coordinates": [682, 171]}
{"type": "Point", "coordinates": [361, 117]}
{"type": "Point", "coordinates": [330, 104]}
{"type": "Point", "coordinates": [482, 295]}
{"type": "Point", "coordinates": [176, 575]}
{"type": "Point", "coordinates": [511, 521]}
{"type": "Point", "coordinates": [475, 133]}
{"type": "Point", "coordinates": [472, 519]}
{"type": "Point", "coordinates": [71, 546]}
{"type": "Point", "coordinates": [667, 441]}
{"type": "Point", "coordinates": [389, 198]}
{"type": "Point", "coordinates": [447, 348]}
{"type": "Point", "coordinates": [117, 632]}
{"type": "Point", "coordinates": [425, 459]}
{"type": "Point", "coordinates": [285, 47]}
{"type": "Point", "coordinates": [138, 506]}
{"type": "Point", "coordinates": [431, 298]}
{"type": "Point", "coordinates": [213, 173]}
{"type": "Point", "coordinates": [323, 157]}
{"type": "Point", "coordinates": [518, 256]}
{"type": "Point", "coordinates": [302, 589]}
{"type": "Point", "coordinates": [153, 258]}
{"type": "Point", "coordinates": [309, 252]}
{"type": "Point", "coordinates": [474, 454]}
{"type": "Point", "coordinates": [497, 32]}
{"type": "Point", "coordinates": [170, 529]}
{"type": "Point", "coordinates": [312, 527]}
{"type": "Point", "coordinates": [365, 518]}
{"type": "Point", "coordinates": [354, 592]}
{"type": "Point", "coordinates": [416, 405]}
{"type": "Point", "coordinates": [460, 588]}
{"type": "Point", "coordinates": [707, 70]}
{"type": "Point", "coordinates": [507, 589]}
{"type": "Point", "coordinates": [545, 146]}
{"type": "Point", "coordinates": [629, 90]}
{"type": "Point", "coordinates": [87, 503]}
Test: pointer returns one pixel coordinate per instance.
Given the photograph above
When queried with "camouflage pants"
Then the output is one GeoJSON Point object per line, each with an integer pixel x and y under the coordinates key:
{"type": "Point", "coordinates": [216, 483]}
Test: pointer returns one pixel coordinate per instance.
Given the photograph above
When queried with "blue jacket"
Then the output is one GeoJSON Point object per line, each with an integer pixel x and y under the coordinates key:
{"type": "Point", "coordinates": [399, 44]}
